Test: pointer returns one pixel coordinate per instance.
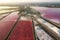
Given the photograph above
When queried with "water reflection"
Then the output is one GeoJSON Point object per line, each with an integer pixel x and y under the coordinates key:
{"type": "Point", "coordinates": [7, 7]}
{"type": "Point", "coordinates": [4, 9]}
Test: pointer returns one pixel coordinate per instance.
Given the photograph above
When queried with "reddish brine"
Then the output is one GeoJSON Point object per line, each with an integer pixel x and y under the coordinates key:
{"type": "Point", "coordinates": [52, 14]}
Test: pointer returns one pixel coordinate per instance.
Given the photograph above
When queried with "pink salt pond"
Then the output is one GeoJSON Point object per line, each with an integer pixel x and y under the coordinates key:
{"type": "Point", "coordinates": [52, 15]}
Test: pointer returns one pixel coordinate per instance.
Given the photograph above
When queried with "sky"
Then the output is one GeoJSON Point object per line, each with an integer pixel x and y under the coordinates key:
{"type": "Point", "coordinates": [19, 1]}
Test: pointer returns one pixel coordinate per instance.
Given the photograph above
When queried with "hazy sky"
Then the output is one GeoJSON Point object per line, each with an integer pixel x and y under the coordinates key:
{"type": "Point", "coordinates": [18, 1]}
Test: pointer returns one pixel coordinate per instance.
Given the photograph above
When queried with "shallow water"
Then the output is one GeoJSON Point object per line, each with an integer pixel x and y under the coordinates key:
{"type": "Point", "coordinates": [4, 9]}
{"type": "Point", "coordinates": [52, 14]}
